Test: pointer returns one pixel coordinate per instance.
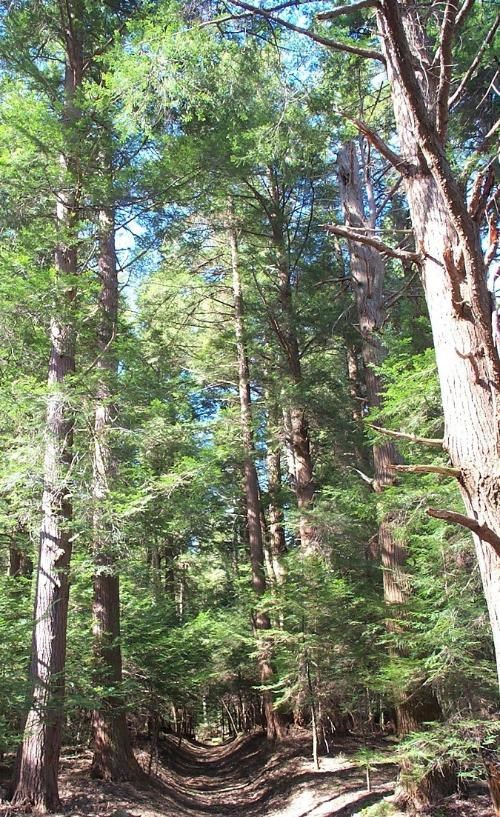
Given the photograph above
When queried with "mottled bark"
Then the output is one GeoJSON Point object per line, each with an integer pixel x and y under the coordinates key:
{"type": "Point", "coordinates": [113, 758]}
{"type": "Point", "coordinates": [274, 725]}
{"type": "Point", "coordinates": [38, 763]}
{"type": "Point", "coordinates": [454, 280]}
{"type": "Point", "coordinates": [415, 706]}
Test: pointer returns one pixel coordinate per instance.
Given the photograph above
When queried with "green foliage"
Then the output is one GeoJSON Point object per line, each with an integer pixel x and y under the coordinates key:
{"type": "Point", "coordinates": [195, 116]}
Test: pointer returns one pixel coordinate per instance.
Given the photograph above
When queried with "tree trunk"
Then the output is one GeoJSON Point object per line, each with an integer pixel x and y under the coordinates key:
{"type": "Point", "coordinates": [274, 724]}
{"type": "Point", "coordinates": [113, 757]}
{"type": "Point", "coordinates": [418, 705]}
{"type": "Point", "coordinates": [20, 564]}
{"type": "Point", "coordinates": [38, 762]}
{"type": "Point", "coordinates": [275, 512]}
{"type": "Point", "coordinates": [454, 282]}
{"type": "Point", "coordinates": [287, 336]}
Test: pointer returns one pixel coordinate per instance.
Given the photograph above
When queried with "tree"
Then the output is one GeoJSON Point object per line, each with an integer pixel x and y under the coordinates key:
{"type": "Point", "coordinates": [39, 759]}
{"type": "Point", "coordinates": [451, 257]}
{"type": "Point", "coordinates": [113, 756]}
{"type": "Point", "coordinates": [274, 724]}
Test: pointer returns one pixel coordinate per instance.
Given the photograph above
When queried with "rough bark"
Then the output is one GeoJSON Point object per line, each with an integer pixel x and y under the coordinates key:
{"type": "Point", "coordinates": [38, 763]}
{"type": "Point", "coordinates": [367, 275]}
{"type": "Point", "coordinates": [454, 282]}
{"type": "Point", "coordinates": [113, 758]}
{"type": "Point", "coordinates": [491, 760]}
{"type": "Point", "coordinates": [275, 728]}
{"type": "Point", "coordinates": [415, 706]}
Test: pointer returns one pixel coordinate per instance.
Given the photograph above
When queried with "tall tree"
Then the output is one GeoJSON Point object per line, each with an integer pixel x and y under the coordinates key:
{"type": "Point", "coordinates": [419, 65]}
{"type": "Point", "coordinates": [419, 705]}
{"type": "Point", "coordinates": [39, 758]}
{"type": "Point", "coordinates": [274, 723]}
{"type": "Point", "coordinates": [113, 756]}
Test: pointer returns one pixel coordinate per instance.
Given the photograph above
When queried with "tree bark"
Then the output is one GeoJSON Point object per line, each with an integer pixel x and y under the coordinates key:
{"type": "Point", "coordinates": [275, 728]}
{"type": "Point", "coordinates": [113, 758]}
{"type": "Point", "coordinates": [287, 336]}
{"type": "Point", "coordinates": [454, 282]}
{"type": "Point", "coordinates": [38, 763]}
{"type": "Point", "coordinates": [413, 707]}
{"type": "Point", "coordinates": [275, 512]}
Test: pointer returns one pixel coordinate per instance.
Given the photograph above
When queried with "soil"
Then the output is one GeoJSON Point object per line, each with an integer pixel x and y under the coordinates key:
{"type": "Point", "coordinates": [248, 777]}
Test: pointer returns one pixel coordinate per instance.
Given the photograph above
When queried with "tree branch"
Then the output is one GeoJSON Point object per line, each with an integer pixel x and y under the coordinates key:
{"type": "Point", "coordinates": [445, 63]}
{"type": "Point", "coordinates": [404, 167]}
{"type": "Point", "coordinates": [363, 476]}
{"type": "Point", "coordinates": [349, 9]}
{"type": "Point", "coordinates": [413, 438]}
{"type": "Point", "coordinates": [336, 45]}
{"type": "Point", "coordinates": [482, 531]}
{"type": "Point", "coordinates": [442, 470]}
{"type": "Point", "coordinates": [351, 235]}
{"type": "Point", "coordinates": [396, 296]}
{"type": "Point", "coordinates": [462, 14]}
{"type": "Point", "coordinates": [481, 192]}
{"type": "Point", "coordinates": [474, 64]}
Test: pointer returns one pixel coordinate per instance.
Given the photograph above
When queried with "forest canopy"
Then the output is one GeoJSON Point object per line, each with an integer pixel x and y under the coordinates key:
{"type": "Point", "coordinates": [250, 372]}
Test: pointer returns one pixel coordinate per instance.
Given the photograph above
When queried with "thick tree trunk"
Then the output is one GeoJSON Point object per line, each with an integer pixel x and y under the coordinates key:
{"type": "Point", "coordinates": [38, 764]}
{"type": "Point", "coordinates": [454, 282]}
{"type": "Point", "coordinates": [274, 724]}
{"type": "Point", "coordinates": [368, 274]}
{"type": "Point", "coordinates": [113, 757]}
{"type": "Point", "coordinates": [415, 706]}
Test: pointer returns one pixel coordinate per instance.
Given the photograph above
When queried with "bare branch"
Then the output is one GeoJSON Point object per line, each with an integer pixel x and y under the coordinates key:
{"type": "Point", "coordinates": [462, 14]}
{"type": "Point", "coordinates": [387, 198]}
{"type": "Point", "coordinates": [336, 45]}
{"type": "Point", "coordinates": [433, 442]}
{"type": "Point", "coordinates": [404, 167]}
{"type": "Point", "coordinates": [351, 235]}
{"type": "Point", "coordinates": [491, 132]}
{"type": "Point", "coordinates": [482, 531]}
{"type": "Point", "coordinates": [396, 296]}
{"type": "Point", "coordinates": [481, 192]}
{"type": "Point", "coordinates": [445, 65]}
{"type": "Point", "coordinates": [474, 64]}
{"type": "Point", "coordinates": [442, 470]}
{"type": "Point", "coordinates": [349, 9]}
{"type": "Point", "coordinates": [363, 476]}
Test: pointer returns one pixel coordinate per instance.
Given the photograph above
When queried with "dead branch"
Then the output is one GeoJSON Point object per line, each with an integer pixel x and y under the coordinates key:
{"type": "Point", "coordinates": [336, 45]}
{"type": "Point", "coordinates": [462, 14]}
{"type": "Point", "coordinates": [481, 192]}
{"type": "Point", "coordinates": [474, 64]}
{"type": "Point", "coordinates": [442, 470]}
{"type": "Point", "coordinates": [349, 9]}
{"type": "Point", "coordinates": [445, 66]}
{"type": "Point", "coordinates": [396, 296]}
{"type": "Point", "coordinates": [404, 167]}
{"type": "Point", "coordinates": [482, 531]}
{"type": "Point", "coordinates": [412, 438]}
{"type": "Point", "coordinates": [351, 235]}
{"type": "Point", "coordinates": [363, 476]}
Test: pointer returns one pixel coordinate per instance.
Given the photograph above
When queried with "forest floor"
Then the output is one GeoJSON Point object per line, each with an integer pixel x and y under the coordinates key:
{"type": "Point", "coordinates": [245, 778]}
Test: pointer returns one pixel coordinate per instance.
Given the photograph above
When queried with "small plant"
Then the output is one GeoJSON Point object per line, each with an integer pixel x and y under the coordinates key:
{"type": "Point", "coordinates": [367, 758]}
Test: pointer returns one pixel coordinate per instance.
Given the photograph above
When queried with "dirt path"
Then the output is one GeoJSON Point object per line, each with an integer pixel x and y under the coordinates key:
{"type": "Point", "coordinates": [246, 778]}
